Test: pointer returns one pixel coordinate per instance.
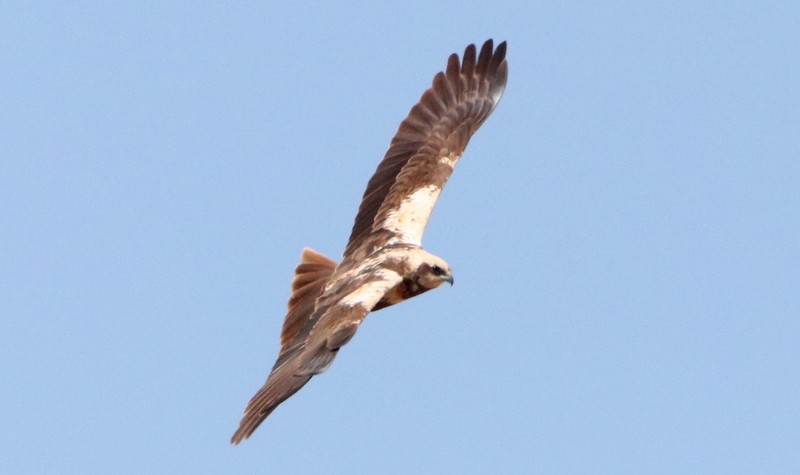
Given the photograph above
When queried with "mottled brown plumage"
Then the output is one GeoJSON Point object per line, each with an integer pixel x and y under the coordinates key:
{"type": "Point", "coordinates": [383, 262]}
{"type": "Point", "coordinates": [439, 125]}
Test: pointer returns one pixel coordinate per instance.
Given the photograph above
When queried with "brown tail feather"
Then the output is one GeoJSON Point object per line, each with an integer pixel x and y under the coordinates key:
{"type": "Point", "coordinates": [310, 278]}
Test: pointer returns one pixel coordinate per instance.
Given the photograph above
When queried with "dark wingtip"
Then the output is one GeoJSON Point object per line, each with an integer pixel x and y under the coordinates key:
{"type": "Point", "coordinates": [238, 437]}
{"type": "Point", "coordinates": [501, 49]}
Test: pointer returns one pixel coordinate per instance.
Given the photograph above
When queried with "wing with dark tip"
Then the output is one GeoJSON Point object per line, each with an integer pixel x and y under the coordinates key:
{"type": "Point", "coordinates": [401, 194]}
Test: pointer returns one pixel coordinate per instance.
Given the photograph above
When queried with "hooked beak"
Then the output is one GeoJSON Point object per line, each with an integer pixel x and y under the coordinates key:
{"type": "Point", "coordinates": [449, 280]}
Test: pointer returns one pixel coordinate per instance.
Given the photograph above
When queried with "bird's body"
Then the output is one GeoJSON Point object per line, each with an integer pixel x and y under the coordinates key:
{"type": "Point", "coordinates": [383, 263]}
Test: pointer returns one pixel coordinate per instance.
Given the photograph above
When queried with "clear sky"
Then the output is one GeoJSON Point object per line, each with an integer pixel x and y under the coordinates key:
{"type": "Point", "coordinates": [624, 233]}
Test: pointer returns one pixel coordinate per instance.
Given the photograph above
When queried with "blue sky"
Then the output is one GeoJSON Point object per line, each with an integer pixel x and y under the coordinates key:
{"type": "Point", "coordinates": [624, 232]}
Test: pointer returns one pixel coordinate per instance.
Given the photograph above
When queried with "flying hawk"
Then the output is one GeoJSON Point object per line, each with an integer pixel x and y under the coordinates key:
{"type": "Point", "coordinates": [383, 263]}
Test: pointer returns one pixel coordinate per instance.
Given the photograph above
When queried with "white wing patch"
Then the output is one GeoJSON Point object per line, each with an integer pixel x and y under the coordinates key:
{"type": "Point", "coordinates": [370, 293]}
{"type": "Point", "coordinates": [450, 159]}
{"type": "Point", "coordinates": [408, 221]}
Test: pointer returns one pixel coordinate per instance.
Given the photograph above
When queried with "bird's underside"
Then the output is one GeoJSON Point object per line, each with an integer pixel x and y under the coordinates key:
{"type": "Point", "coordinates": [383, 262]}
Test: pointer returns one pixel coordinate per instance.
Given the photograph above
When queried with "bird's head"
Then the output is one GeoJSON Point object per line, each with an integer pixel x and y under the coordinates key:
{"type": "Point", "coordinates": [429, 271]}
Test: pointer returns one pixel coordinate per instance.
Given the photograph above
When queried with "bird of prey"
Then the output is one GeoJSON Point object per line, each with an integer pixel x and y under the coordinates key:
{"type": "Point", "coordinates": [383, 263]}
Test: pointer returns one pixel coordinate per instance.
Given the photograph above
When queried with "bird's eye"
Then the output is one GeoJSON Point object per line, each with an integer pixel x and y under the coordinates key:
{"type": "Point", "coordinates": [437, 270]}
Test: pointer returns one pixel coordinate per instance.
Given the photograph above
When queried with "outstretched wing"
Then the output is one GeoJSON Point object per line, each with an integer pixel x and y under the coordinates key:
{"type": "Point", "coordinates": [401, 194]}
{"type": "Point", "coordinates": [338, 313]}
